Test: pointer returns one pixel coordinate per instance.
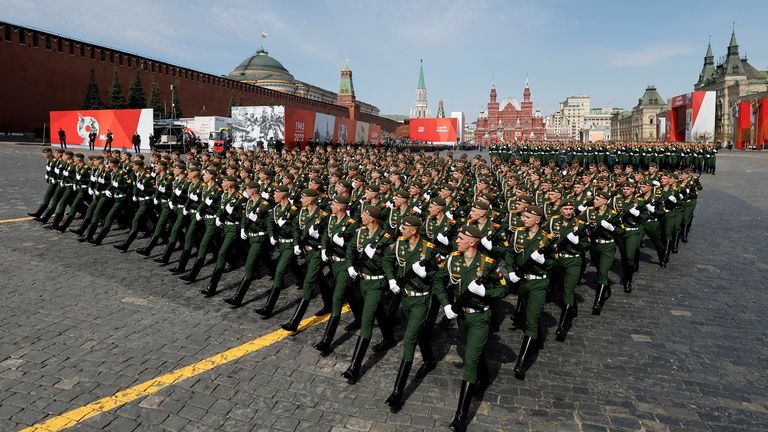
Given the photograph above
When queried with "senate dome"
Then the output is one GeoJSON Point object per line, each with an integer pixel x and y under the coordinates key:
{"type": "Point", "coordinates": [261, 67]}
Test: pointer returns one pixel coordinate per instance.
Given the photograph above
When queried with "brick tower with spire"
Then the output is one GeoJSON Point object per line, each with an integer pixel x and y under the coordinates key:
{"type": "Point", "coordinates": [419, 109]}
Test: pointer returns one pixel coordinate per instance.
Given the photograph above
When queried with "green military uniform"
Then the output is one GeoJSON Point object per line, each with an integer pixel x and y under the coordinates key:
{"type": "Point", "coordinates": [602, 248]}
{"type": "Point", "coordinates": [633, 226]}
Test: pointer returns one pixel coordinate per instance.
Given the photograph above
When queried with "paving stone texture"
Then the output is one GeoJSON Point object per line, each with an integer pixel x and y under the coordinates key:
{"type": "Point", "coordinates": [686, 351]}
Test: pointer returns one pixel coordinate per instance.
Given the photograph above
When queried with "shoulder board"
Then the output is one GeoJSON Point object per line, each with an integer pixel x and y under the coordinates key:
{"type": "Point", "coordinates": [555, 217]}
{"type": "Point", "coordinates": [455, 253]}
{"type": "Point", "coordinates": [322, 213]}
{"type": "Point", "coordinates": [429, 245]}
{"type": "Point", "coordinates": [580, 222]}
{"type": "Point", "coordinates": [293, 207]}
{"type": "Point", "coordinates": [350, 220]}
{"type": "Point", "coordinates": [265, 202]}
{"type": "Point", "coordinates": [546, 234]}
{"type": "Point", "coordinates": [488, 260]}
{"type": "Point", "coordinates": [613, 212]}
{"type": "Point", "coordinates": [451, 221]}
{"type": "Point", "coordinates": [521, 228]}
{"type": "Point", "coordinates": [386, 235]}
{"type": "Point", "coordinates": [363, 227]}
{"type": "Point", "coordinates": [400, 238]}
{"type": "Point", "coordinates": [495, 225]}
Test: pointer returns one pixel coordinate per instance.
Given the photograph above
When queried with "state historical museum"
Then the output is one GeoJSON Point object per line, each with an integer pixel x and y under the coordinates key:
{"type": "Point", "coordinates": [510, 121]}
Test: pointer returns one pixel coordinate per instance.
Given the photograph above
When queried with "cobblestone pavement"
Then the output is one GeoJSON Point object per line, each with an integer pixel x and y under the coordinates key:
{"type": "Point", "coordinates": [685, 351]}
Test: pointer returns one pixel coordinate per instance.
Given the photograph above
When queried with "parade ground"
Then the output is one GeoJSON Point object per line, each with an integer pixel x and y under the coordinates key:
{"type": "Point", "coordinates": [95, 339]}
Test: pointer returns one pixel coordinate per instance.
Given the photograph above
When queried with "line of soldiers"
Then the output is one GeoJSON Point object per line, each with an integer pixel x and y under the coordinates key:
{"type": "Point", "coordinates": [701, 158]}
{"type": "Point", "coordinates": [385, 231]}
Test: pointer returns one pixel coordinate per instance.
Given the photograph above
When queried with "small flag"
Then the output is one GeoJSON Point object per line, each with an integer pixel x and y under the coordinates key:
{"type": "Point", "coordinates": [263, 35]}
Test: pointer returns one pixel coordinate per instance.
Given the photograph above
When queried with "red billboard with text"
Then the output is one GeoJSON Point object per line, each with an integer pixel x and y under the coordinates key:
{"type": "Point", "coordinates": [374, 135]}
{"type": "Point", "coordinates": [299, 126]}
{"type": "Point", "coordinates": [77, 125]}
{"type": "Point", "coordinates": [344, 130]}
{"type": "Point", "coordinates": [434, 129]}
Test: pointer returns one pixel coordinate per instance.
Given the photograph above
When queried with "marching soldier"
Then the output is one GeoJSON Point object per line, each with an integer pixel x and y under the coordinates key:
{"type": "Point", "coordinates": [163, 200]}
{"type": "Point", "coordinates": [210, 200]}
{"type": "Point", "coordinates": [602, 249]}
{"type": "Point", "coordinates": [143, 191]}
{"type": "Point", "coordinates": [567, 268]}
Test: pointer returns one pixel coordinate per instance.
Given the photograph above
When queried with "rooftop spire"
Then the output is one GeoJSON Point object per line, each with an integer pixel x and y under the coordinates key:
{"type": "Point", "coordinates": [421, 76]}
{"type": "Point", "coordinates": [733, 39]}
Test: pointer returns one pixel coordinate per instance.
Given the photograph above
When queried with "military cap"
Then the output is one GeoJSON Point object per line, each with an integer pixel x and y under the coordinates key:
{"type": "Point", "coordinates": [386, 181]}
{"type": "Point", "coordinates": [194, 169]}
{"type": "Point", "coordinates": [118, 152]}
{"type": "Point", "coordinates": [69, 153]}
{"type": "Point", "coordinates": [412, 221]}
{"type": "Point", "coordinates": [140, 156]}
{"type": "Point", "coordinates": [315, 170]}
{"type": "Point", "coordinates": [557, 189]}
{"type": "Point", "coordinates": [482, 205]}
{"type": "Point", "coordinates": [471, 231]}
{"type": "Point", "coordinates": [248, 170]}
{"type": "Point", "coordinates": [373, 188]}
{"type": "Point", "coordinates": [290, 176]}
{"type": "Point", "coordinates": [380, 171]}
{"type": "Point", "coordinates": [211, 171]}
{"type": "Point", "coordinates": [79, 155]}
{"type": "Point", "coordinates": [316, 180]}
{"type": "Point", "coordinates": [311, 193]}
{"type": "Point", "coordinates": [342, 199]}
{"type": "Point", "coordinates": [163, 164]}
{"type": "Point", "coordinates": [373, 211]}
{"type": "Point", "coordinates": [138, 162]}
{"type": "Point", "coordinates": [91, 158]}
{"type": "Point", "coordinates": [489, 196]}
{"type": "Point", "coordinates": [230, 179]}
{"type": "Point", "coordinates": [602, 178]}
{"type": "Point", "coordinates": [438, 201]}
{"type": "Point", "coordinates": [346, 184]}
{"type": "Point", "coordinates": [114, 160]}
{"type": "Point", "coordinates": [60, 151]}
{"type": "Point", "coordinates": [47, 150]}
{"type": "Point", "coordinates": [646, 183]}
{"type": "Point", "coordinates": [268, 172]}
{"type": "Point", "coordinates": [526, 199]}
{"type": "Point", "coordinates": [282, 188]}
{"type": "Point", "coordinates": [180, 164]}
{"type": "Point", "coordinates": [252, 185]}
{"type": "Point", "coordinates": [449, 187]}
{"type": "Point", "coordinates": [402, 193]}
{"type": "Point", "coordinates": [603, 194]}
{"type": "Point", "coordinates": [567, 203]}
{"type": "Point", "coordinates": [99, 157]}
{"type": "Point", "coordinates": [535, 210]}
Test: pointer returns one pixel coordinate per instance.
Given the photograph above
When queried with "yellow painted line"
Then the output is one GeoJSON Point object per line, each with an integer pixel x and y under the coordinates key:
{"type": "Point", "coordinates": [77, 415]}
{"type": "Point", "coordinates": [16, 220]}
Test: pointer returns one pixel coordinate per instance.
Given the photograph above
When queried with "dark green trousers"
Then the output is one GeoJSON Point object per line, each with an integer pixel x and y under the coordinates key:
{"type": "Point", "coordinates": [568, 271]}
{"type": "Point", "coordinates": [653, 231]}
{"type": "Point", "coordinates": [78, 200]}
{"type": "Point", "coordinates": [314, 265]}
{"type": "Point", "coordinates": [257, 245]}
{"type": "Point", "coordinates": [371, 291]}
{"type": "Point", "coordinates": [533, 295]}
{"type": "Point", "coordinates": [340, 285]}
{"type": "Point", "coordinates": [189, 238]}
{"type": "Point", "coordinates": [68, 195]}
{"type": "Point", "coordinates": [165, 214]}
{"type": "Point", "coordinates": [102, 205]}
{"type": "Point", "coordinates": [138, 217]}
{"type": "Point", "coordinates": [49, 191]}
{"type": "Point", "coordinates": [117, 204]}
{"type": "Point", "coordinates": [602, 255]}
{"type": "Point", "coordinates": [178, 225]}
{"type": "Point", "coordinates": [629, 245]}
{"type": "Point", "coordinates": [415, 311]}
{"type": "Point", "coordinates": [474, 329]}
{"type": "Point", "coordinates": [211, 230]}
{"type": "Point", "coordinates": [284, 260]}
{"type": "Point", "coordinates": [230, 234]}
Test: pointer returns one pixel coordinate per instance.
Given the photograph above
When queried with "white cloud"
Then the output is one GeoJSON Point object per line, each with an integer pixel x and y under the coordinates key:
{"type": "Point", "coordinates": [648, 56]}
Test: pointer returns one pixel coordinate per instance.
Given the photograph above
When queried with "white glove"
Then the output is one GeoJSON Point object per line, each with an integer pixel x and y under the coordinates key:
{"type": "Point", "coordinates": [324, 255]}
{"type": "Point", "coordinates": [177, 192]}
{"type": "Point", "coordinates": [297, 250]}
{"type": "Point", "coordinates": [389, 204]}
{"type": "Point", "coordinates": [101, 180]}
{"type": "Point", "coordinates": [229, 208]}
{"type": "Point", "coordinates": [170, 205]}
{"type": "Point", "coordinates": [486, 242]}
{"type": "Point", "coordinates": [449, 312]}
{"type": "Point", "coordinates": [108, 194]}
{"type": "Point", "coordinates": [272, 241]}
{"type": "Point", "coordinates": [198, 217]}
{"type": "Point", "coordinates": [140, 186]}
{"type": "Point", "coordinates": [442, 239]}
{"type": "Point", "coordinates": [370, 251]}
{"type": "Point", "coordinates": [673, 199]}
{"type": "Point", "coordinates": [280, 222]}
{"type": "Point", "coordinates": [155, 201]}
{"type": "Point", "coordinates": [209, 201]}
{"type": "Point", "coordinates": [77, 176]}
{"type": "Point", "coordinates": [90, 191]}
{"type": "Point", "coordinates": [194, 197]}
{"type": "Point", "coordinates": [114, 184]}
{"type": "Point", "coordinates": [393, 286]}
{"type": "Point", "coordinates": [417, 209]}
{"type": "Point", "coordinates": [476, 288]}
{"type": "Point", "coordinates": [253, 216]}
{"type": "Point", "coordinates": [314, 232]}
{"type": "Point", "coordinates": [161, 188]}
{"type": "Point", "coordinates": [538, 257]}
{"type": "Point", "coordinates": [339, 240]}
{"type": "Point", "coordinates": [582, 208]}
{"type": "Point", "coordinates": [243, 235]}
{"type": "Point", "coordinates": [607, 225]}
{"type": "Point", "coordinates": [185, 212]}
{"type": "Point", "coordinates": [650, 208]}
{"type": "Point", "coordinates": [352, 273]}
{"type": "Point", "coordinates": [265, 195]}
{"type": "Point", "coordinates": [514, 277]}
{"type": "Point", "coordinates": [573, 238]}
{"type": "Point", "coordinates": [449, 215]}
{"type": "Point", "coordinates": [219, 222]}
{"type": "Point", "coordinates": [656, 183]}
{"type": "Point", "coordinates": [419, 269]}
{"type": "Point", "coordinates": [425, 195]}
{"type": "Point", "coordinates": [635, 212]}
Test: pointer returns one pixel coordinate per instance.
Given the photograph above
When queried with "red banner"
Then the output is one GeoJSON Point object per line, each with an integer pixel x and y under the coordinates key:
{"type": "Point", "coordinates": [434, 129]}
{"type": "Point", "coordinates": [374, 135]}
{"type": "Point", "coordinates": [344, 130]}
{"type": "Point", "coordinates": [761, 131]}
{"type": "Point", "coordinates": [299, 125]}
{"type": "Point", "coordinates": [77, 125]}
{"type": "Point", "coordinates": [744, 124]}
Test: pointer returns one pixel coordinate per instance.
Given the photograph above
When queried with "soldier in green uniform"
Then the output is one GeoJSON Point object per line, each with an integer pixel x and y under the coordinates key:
{"type": "Point", "coordinates": [672, 215]}
{"type": "Point", "coordinates": [692, 185]}
{"type": "Point", "coordinates": [633, 220]}
{"type": "Point", "coordinates": [283, 232]}
{"type": "Point", "coordinates": [80, 188]}
{"type": "Point", "coordinates": [365, 259]}
{"type": "Point", "coordinates": [184, 184]}
{"type": "Point", "coordinates": [65, 177]}
{"type": "Point", "coordinates": [95, 188]}
{"type": "Point", "coordinates": [163, 200]}
{"type": "Point", "coordinates": [206, 214]}
{"type": "Point", "coordinates": [311, 222]}
{"type": "Point", "coordinates": [195, 208]}
{"type": "Point", "coordinates": [339, 232]}
{"type": "Point", "coordinates": [50, 164]}
{"type": "Point", "coordinates": [228, 217]}
{"type": "Point", "coordinates": [113, 184]}
{"type": "Point", "coordinates": [652, 226]}
{"type": "Point", "coordinates": [464, 287]}
{"type": "Point", "coordinates": [602, 244]}
{"type": "Point", "coordinates": [70, 180]}
{"type": "Point", "coordinates": [253, 229]}
{"type": "Point", "coordinates": [567, 268]}
{"type": "Point", "coordinates": [413, 261]}
{"type": "Point", "coordinates": [143, 191]}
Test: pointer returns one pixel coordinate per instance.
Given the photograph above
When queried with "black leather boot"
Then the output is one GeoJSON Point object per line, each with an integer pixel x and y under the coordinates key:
{"type": "Point", "coordinates": [298, 314]}
{"type": "Point", "coordinates": [461, 418]}
{"type": "Point", "coordinates": [629, 271]}
{"type": "Point", "coordinates": [146, 250]}
{"type": "Point", "coordinates": [210, 291]}
{"type": "Point", "coordinates": [127, 243]}
{"type": "Point", "coordinates": [597, 307]}
{"type": "Point", "coordinates": [675, 241]}
{"type": "Point", "coordinates": [429, 363]}
{"type": "Point", "coordinates": [56, 221]}
{"type": "Point", "coordinates": [387, 332]}
{"type": "Point", "coordinates": [166, 253]}
{"type": "Point", "coordinates": [64, 225]}
{"type": "Point", "coordinates": [395, 400]}
{"type": "Point", "coordinates": [237, 299]}
{"type": "Point", "coordinates": [46, 215]}
{"type": "Point", "coordinates": [688, 228]}
{"type": "Point", "coordinates": [40, 210]}
{"type": "Point", "coordinates": [352, 374]}
{"type": "Point", "coordinates": [102, 235]}
{"type": "Point", "coordinates": [522, 358]}
{"type": "Point", "coordinates": [324, 346]}
{"type": "Point", "coordinates": [266, 311]}
{"type": "Point", "coordinates": [88, 236]}
{"type": "Point", "coordinates": [518, 319]}
{"type": "Point", "coordinates": [181, 267]}
{"type": "Point", "coordinates": [84, 226]}
{"type": "Point", "coordinates": [684, 233]}
{"type": "Point", "coordinates": [191, 277]}
{"type": "Point", "coordinates": [565, 323]}
{"type": "Point", "coordinates": [326, 294]}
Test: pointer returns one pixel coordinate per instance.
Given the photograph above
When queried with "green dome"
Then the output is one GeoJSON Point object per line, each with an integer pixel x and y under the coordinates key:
{"type": "Point", "coordinates": [261, 67]}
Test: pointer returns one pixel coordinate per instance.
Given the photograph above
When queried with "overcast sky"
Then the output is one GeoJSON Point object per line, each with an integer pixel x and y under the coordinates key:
{"type": "Point", "coordinates": [609, 50]}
